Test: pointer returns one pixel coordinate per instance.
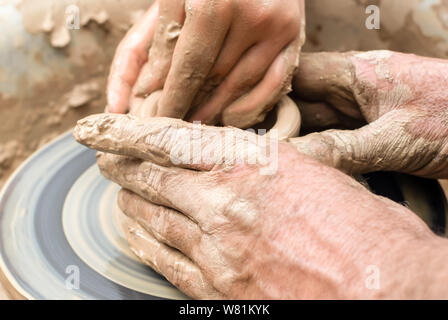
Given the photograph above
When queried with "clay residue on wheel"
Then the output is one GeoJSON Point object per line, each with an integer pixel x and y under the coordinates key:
{"type": "Point", "coordinates": [41, 116]}
{"type": "Point", "coordinates": [50, 15]}
{"type": "Point", "coordinates": [413, 26]}
{"type": "Point", "coordinates": [47, 88]}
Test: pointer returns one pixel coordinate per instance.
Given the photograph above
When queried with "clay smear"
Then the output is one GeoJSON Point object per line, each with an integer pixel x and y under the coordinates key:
{"type": "Point", "coordinates": [50, 15]}
{"type": "Point", "coordinates": [287, 124]}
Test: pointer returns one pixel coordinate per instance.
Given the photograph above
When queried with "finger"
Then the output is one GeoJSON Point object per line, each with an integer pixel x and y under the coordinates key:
{"type": "Point", "coordinates": [173, 265]}
{"type": "Point", "coordinates": [236, 44]}
{"type": "Point", "coordinates": [196, 51]}
{"type": "Point", "coordinates": [165, 141]}
{"type": "Point", "coordinates": [327, 77]}
{"type": "Point", "coordinates": [251, 27]}
{"type": "Point", "coordinates": [130, 56]}
{"type": "Point", "coordinates": [146, 107]}
{"type": "Point", "coordinates": [159, 185]}
{"type": "Point", "coordinates": [168, 226]}
{"type": "Point", "coordinates": [252, 108]}
{"type": "Point", "coordinates": [246, 74]}
{"type": "Point", "coordinates": [318, 116]}
{"type": "Point", "coordinates": [134, 105]}
{"type": "Point", "coordinates": [384, 144]}
{"type": "Point", "coordinates": [154, 72]}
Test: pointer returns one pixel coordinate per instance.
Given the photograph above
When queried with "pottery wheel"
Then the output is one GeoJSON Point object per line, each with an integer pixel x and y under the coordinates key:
{"type": "Point", "coordinates": [58, 213]}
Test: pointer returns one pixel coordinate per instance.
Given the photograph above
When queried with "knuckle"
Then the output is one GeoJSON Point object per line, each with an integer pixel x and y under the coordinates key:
{"type": "Point", "coordinates": [199, 8]}
{"type": "Point", "coordinates": [233, 212]}
{"type": "Point", "coordinates": [208, 7]}
{"type": "Point", "coordinates": [150, 174]}
{"type": "Point", "coordinates": [108, 162]}
{"type": "Point", "coordinates": [291, 21]}
{"type": "Point", "coordinates": [101, 160]}
{"type": "Point", "coordinates": [177, 273]}
{"type": "Point", "coordinates": [263, 15]}
{"type": "Point", "coordinates": [154, 181]}
{"type": "Point", "coordinates": [123, 201]}
{"type": "Point", "coordinates": [222, 7]}
{"type": "Point", "coordinates": [225, 281]}
{"type": "Point", "coordinates": [161, 223]}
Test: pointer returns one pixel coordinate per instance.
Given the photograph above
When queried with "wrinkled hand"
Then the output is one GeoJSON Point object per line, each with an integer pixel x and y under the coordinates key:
{"type": "Point", "coordinates": [220, 61]}
{"type": "Point", "coordinates": [223, 230]}
{"type": "Point", "coordinates": [403, 97]}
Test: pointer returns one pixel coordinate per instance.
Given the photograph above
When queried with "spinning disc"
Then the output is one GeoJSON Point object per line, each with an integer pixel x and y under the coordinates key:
{"type": "Point", "coordinates": [35, 254]}
{"type": "Point", "coordinates": [58, 213]}
{"type": "Point", "coordinates": [91, 221]}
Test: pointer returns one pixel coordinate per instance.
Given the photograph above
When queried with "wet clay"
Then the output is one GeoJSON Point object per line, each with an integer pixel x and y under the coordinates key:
{"type": "Point", "coordinates": [45, 89]}
{"type": "Point", "coordinates": [412, 26]}
{"type": "Point", "coordinates": [286, 124]}
{"type": "Point", "coordinates": [49, 15]}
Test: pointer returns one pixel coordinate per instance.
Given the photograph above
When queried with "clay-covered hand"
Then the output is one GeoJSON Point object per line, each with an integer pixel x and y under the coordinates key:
{"type": "Point", "coordinates": [402, 97]}
{"type": "Point", "coordinates": [225, 229]}
{"type": "Point", "coordinates": [130, 56]}
{"type": "Point", "coordinates": [226, 61]}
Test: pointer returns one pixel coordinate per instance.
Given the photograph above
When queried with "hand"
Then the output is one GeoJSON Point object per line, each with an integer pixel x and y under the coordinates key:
{"type": "Point", "coordinates": [403, 97]}
{"type": "Point", "coordinates": [226, 61]}
{"type": "Point", "coordinates": [223, 230]}
{"type": "Point", "coordinates": [131, 55]}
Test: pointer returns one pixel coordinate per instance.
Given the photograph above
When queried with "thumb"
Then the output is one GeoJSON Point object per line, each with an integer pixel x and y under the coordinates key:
{"type": "Point", "coordinates": [327, 77]}
{"type": "Point", "coordinates": [381, 145]}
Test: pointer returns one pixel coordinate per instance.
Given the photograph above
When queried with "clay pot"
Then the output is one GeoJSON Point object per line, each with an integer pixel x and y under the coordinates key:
{"type": "Point", "coordinates": [285, 117]}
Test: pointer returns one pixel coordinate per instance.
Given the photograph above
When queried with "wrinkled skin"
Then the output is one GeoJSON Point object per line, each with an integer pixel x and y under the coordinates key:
{"type": "Point", "coordinates": [402, 97]}
{"type": "Point", "coordinates": [226, 61]}
{"type": "Point", "coordinates": [225, 231]}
